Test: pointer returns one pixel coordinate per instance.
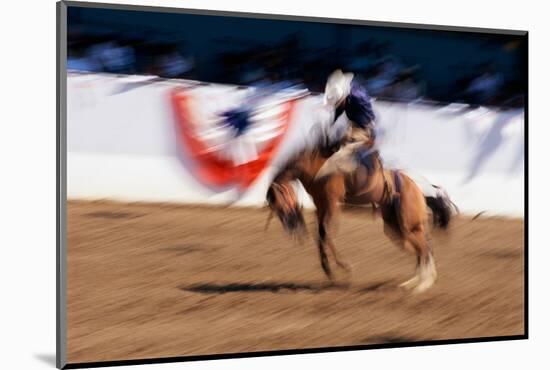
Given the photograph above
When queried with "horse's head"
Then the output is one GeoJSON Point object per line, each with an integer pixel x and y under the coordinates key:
{"type": "Point", "coordinates": [282, 201]}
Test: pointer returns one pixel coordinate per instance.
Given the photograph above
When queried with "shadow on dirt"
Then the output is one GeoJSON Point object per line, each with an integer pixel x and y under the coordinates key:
{"type": "Point", "coordinates": [263, 287]}
{"type": "Point", "coordinates": [275, 287]}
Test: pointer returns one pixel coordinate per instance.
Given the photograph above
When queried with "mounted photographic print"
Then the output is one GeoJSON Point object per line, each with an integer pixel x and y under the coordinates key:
{"type": "Point", "coordinates": [235, 184]}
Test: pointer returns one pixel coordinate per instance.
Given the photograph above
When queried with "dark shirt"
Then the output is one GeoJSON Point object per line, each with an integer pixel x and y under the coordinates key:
{"type": "Point", "coordinates": [357, 105]}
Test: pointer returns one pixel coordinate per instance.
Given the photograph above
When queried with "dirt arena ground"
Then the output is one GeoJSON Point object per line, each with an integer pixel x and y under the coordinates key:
{"type": "Point", "coordinates": [162, 280]}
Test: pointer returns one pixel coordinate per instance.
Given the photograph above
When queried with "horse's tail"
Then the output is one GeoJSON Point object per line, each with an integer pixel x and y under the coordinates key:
{"type": "Point", "coordinates": [443, 209]}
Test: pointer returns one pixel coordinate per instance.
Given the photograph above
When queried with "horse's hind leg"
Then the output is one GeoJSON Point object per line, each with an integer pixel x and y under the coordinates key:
{"type": "Point", "coordinates": [394, 232]}
{"type": "Point", "coordinates": [426, 273]}
{"type": "Point", "coordinates": [412, 282]}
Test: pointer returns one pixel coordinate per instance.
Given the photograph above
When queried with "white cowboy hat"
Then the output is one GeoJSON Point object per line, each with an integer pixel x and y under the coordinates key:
{"type": "Point", "coordinates": [337, 87]}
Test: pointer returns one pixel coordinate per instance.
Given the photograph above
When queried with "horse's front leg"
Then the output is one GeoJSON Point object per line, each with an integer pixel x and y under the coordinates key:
{"type": "Point", "coordinates": [325, 213]}
{"type": "Point", "coordinates": [339, 262]}
{"type": "Point", "coordinates": [322, 242]}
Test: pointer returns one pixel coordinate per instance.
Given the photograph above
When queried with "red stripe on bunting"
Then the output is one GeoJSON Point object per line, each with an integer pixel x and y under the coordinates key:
{"type": "Point", "coordinates": [212, 169]}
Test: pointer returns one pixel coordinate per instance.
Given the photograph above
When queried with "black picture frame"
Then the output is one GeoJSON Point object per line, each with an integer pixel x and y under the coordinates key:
{"type": "Point", "coordinates": [61, 189]}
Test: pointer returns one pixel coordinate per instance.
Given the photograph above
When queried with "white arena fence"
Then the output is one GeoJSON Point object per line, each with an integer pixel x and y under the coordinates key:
{"type": "Point", "coordinates": [124, 143]}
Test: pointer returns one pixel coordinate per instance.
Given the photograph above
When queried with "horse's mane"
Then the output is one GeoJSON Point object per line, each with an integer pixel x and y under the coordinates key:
{"type": "Point", "coordinates": [297, 163]}
{"type": "Point", "coordinates": [312, 143]}
{"type": "Point", "coordinates": [291, 164]}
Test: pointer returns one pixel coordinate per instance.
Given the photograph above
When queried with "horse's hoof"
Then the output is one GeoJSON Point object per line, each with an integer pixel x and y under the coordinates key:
{"type": "Point", "coordinates": [423, 286]}
{"type": "Point", "coordinates": [409, 284]}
